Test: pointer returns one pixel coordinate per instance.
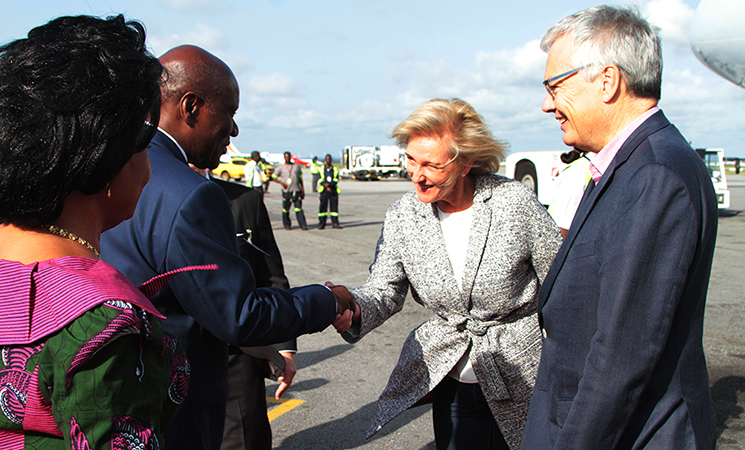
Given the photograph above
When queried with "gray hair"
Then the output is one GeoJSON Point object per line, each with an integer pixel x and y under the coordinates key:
{"type": "Point", "coordinates": [455, 119]}
{"type": "Point", "coordinates": [604, 35]}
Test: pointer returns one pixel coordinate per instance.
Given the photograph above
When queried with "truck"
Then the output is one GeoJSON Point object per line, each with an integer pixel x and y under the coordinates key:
{"type": "Point", "coordinates": [539, 170]}
{"type": "Point", "coordinates": [372, 162]}
{"type": "Point", "coordinates": [714, 160]}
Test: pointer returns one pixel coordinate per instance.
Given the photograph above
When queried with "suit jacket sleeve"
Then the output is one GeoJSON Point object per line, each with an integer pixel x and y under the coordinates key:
{"type": "Point", "coordinates": [640, 278]}
{"type": "Point", "coordinates": [203, 232]}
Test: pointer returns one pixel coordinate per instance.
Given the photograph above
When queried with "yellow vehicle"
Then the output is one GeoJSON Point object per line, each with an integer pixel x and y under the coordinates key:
{"type": "Point", "coordinates": [231, 168]}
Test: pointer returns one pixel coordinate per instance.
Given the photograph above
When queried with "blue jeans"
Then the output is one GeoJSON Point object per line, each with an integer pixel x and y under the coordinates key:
{"type": "Point", "coordinates": [462, 418]}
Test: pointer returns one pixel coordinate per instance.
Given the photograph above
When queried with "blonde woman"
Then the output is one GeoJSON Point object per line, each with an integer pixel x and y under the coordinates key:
{"type": "Point", "coordinates": [473, 248]}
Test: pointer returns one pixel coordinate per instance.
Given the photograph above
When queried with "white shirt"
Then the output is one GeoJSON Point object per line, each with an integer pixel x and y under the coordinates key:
{"type": "Point", "coordinates": [175, 142]}
{"type": "Point", "coordinates": [456, 228]}
{"type": "Point", "coordinates": [569, 189]}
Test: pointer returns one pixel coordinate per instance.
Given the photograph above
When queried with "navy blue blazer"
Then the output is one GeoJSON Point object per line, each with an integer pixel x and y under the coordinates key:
{"type": "Point", "coordinates": [622, 307]}
{"type": "Point", "coordinates": [183, 219]}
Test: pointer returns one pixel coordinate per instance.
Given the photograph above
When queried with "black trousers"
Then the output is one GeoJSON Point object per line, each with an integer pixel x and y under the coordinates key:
{"type": "Point", "coordinates": [292, 198]}
{"type": "Point", "coordinates": [462, 418]}
{"type": "Point", "coordinates": [329, 199]}
{"type": "Point", "coordinates": [246, 423]}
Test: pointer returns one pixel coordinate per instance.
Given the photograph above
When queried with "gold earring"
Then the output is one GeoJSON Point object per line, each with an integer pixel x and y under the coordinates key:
{"type": "Point", "coordinates": [108, 190]}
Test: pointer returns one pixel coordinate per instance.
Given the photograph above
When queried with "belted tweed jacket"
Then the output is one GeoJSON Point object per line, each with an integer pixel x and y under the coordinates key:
{"type": "Point", "coordinates": [511, 245]}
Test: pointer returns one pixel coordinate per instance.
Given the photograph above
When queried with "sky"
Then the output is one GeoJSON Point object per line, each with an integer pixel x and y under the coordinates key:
{"type": "Point", "coordinates": [319, 75]}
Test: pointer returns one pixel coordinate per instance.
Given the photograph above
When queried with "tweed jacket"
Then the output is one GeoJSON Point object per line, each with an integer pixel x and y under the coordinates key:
{"type": "Point", "coordinates": [511, 245]}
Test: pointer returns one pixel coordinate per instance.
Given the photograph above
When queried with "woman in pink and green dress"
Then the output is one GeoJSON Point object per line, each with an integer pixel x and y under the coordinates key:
{"type": "Point", "coordinates": [83, 361]}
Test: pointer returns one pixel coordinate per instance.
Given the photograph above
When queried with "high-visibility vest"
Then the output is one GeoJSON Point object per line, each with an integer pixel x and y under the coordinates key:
{"type": "Point", "coordinates": [334, 179]}
{"type": "Point", "coordinates": [315, 167]}
{"type": "Point", "coordinates": [251, 171]}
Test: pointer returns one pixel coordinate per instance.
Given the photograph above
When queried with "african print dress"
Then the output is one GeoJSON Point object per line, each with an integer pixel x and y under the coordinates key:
{"type": "Point", "coordinates": [83, 361]}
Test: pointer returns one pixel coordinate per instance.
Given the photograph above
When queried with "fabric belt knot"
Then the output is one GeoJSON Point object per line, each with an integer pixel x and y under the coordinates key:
{"type": "Point", "coordinates": [479, 328]}
{"type": "Point", "coordinates": [473, 325]}
{"type": "Point", "coordinates": [485, 342]}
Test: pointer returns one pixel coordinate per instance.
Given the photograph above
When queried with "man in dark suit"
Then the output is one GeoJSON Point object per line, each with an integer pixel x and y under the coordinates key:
{"type": "Point", "coordinates": [246, 422]}
{"type": "Point", "coordinates": [184, 219]}
{"type": "Point", "coordinates": [622, 306]}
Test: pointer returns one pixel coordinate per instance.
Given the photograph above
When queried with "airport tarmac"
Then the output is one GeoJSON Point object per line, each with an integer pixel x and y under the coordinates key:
{"type": "Point", "coordinates": [333, 395]}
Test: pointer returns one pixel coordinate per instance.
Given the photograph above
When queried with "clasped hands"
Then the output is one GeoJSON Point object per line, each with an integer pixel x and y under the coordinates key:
{"type": "Point", "coordinates": [347, 310]}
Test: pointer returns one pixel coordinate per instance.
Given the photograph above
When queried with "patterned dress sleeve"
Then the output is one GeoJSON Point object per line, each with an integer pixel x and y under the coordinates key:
{"type": "Point", "coordinates": [113, 379]}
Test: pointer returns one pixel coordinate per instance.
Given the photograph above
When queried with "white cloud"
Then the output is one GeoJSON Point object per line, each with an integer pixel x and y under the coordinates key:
{"type": "Point", "coordinates": [430, 79]}
{"type": "Point", "coordinates": [240, 65]}
{"type": "Point", "coordinates": [512, 66]}
{"type": "Point", "coordinates": [409, 100]}
{"type": "Point", "coordinates": [276, 100]}
{"type": "Point", "coordinates": [369, 111]}
{"type": "Point", "coordinates": [190, 4]}
{"type": "Point", "coordinates": [205, 36]}
{"type": "Point", "coordinates": [705, 107]}
{"type": "Point", "coordinates": [272, 93]}
{"type": "Point", "coordinates": [274, 84]}
{"type": "Point", "coordinates": [673, 17]}
{"type": "Point", "coordinates": [301, 118]}
{"type": "Point", "coordinates": [504, 86]}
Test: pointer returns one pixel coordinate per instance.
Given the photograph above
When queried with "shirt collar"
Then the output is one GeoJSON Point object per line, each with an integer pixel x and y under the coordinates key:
{"type": "Point", "coordinates": [175, 142]}
{"type": "Point", "coordinates": [600, 162]}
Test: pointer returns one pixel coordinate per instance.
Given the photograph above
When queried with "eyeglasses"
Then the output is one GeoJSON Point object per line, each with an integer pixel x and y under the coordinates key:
{"type": "Point", "coordinates": [429, 167]}
{"type": "Point", "coordinates": [550, 88]}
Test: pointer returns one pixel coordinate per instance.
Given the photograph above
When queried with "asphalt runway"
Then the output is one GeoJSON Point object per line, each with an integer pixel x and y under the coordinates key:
{"type": "Point", "coordinates": [334, 393]}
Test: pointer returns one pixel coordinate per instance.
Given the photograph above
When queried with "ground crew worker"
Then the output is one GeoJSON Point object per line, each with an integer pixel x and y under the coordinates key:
{"type": "Point", "coordinates": [290, 177]}
{"type": "Point", "coordinates": [255, 172]}
{"type": "Point", "coordinates": [328, 186]}
{"type": "Point", "coordinates": [315, 172]}
{"type": "Point", "coordinates": [569, 188]}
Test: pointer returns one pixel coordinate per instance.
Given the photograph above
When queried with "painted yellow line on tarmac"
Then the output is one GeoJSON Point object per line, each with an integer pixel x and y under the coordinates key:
{"type": "Point", "coordinates": [284, 406]}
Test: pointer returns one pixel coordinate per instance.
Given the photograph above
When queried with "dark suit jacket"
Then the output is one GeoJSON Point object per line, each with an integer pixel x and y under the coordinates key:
{"type": "Point", "coordinates": [622, 308]}
{"type": "Point", "coordinates": [249, 213]}
{"type": "Point", "coordinates": [246, 422]}
{"type": "Point", "coordinates": [184, 219]}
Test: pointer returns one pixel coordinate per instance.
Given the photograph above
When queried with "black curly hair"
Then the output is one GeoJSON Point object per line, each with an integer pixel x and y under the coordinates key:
{"type": "Point", "coordinates": [78, 97]}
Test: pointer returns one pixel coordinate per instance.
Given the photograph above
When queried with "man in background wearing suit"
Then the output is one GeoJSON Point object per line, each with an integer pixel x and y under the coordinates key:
{"type": "Point", "coordinates": [184, 219]}
{"type": "Point", "coordinates": [246, 423]}
{"type": "Point", "coordinates": [622, 307]}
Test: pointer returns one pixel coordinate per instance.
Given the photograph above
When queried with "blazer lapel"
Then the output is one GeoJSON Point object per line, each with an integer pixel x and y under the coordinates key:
{"type": "Point", "coordinates": [433, 257]}
{"type": "Point", "coordinates": [656, 122]}
{"type": "Point", "coordinates": [480, 225]}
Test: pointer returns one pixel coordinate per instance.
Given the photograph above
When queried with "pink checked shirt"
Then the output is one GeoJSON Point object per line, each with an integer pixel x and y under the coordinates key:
{"type": "Point", "coordinates": [600, 162]}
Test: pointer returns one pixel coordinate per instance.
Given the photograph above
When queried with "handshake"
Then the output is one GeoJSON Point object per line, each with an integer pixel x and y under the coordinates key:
{"type": "Point", "coordinates": [347, 310]}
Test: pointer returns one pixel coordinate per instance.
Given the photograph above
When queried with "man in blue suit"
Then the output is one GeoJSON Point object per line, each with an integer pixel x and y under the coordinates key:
{"type": "Point", "coordinates": [184, 219]}
{"type": "Point", "coordinates": [622, 307]}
